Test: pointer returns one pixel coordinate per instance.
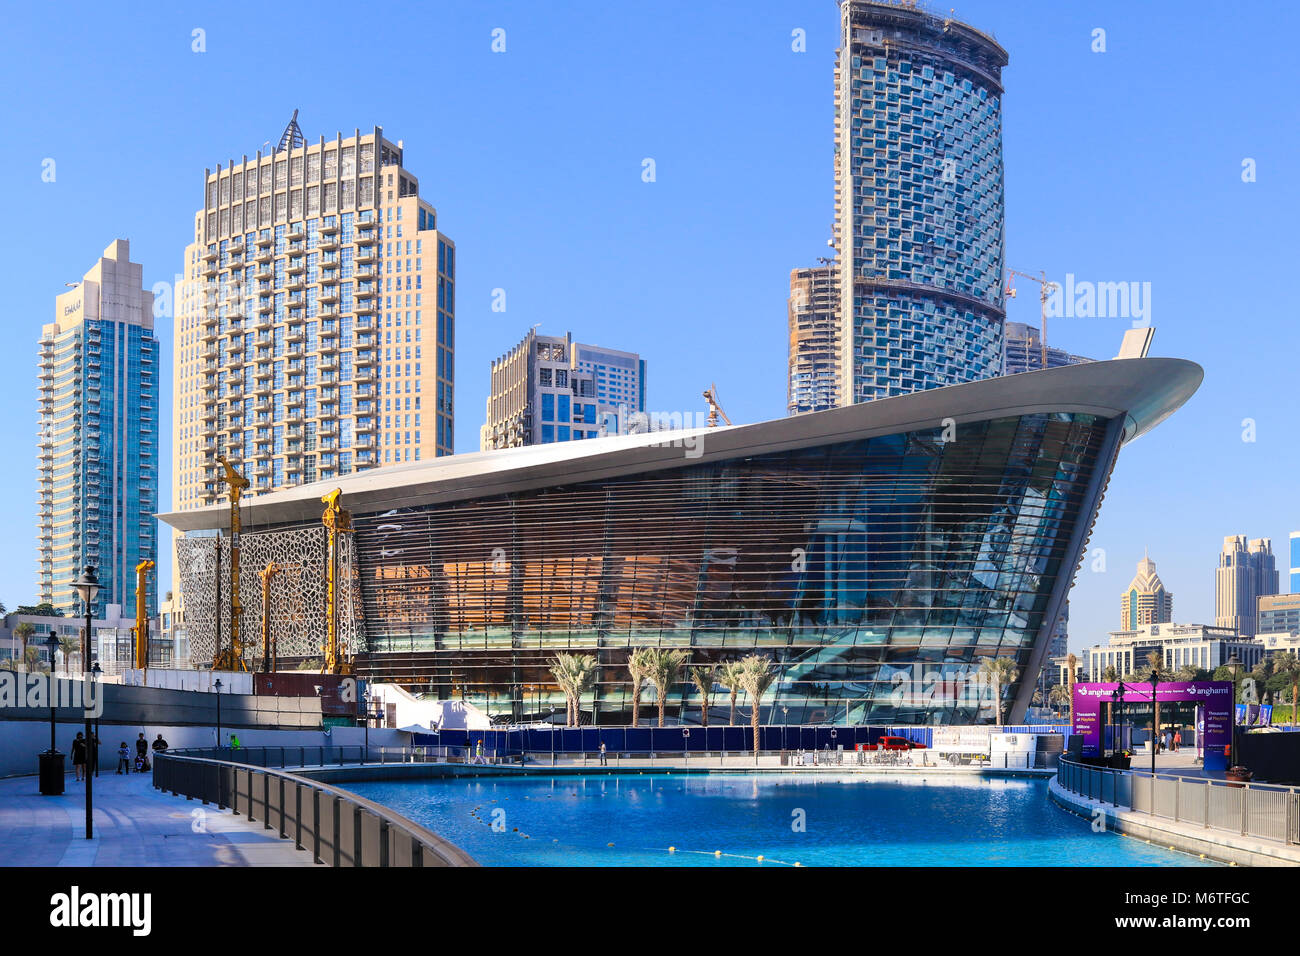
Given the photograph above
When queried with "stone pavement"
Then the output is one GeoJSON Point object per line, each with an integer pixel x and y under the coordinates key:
{"type": "Point", "coordinates": [135, 825]}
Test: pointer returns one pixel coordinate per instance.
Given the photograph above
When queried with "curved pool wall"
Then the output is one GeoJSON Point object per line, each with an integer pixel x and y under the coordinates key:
{"type": "Point", "coordinates": [734, 819]}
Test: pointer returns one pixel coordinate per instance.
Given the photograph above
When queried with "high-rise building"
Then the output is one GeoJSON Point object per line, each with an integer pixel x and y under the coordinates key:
{"type": "Point", "coordinates": [98, 461]}
{"type": "Point", "coordinates": [1179, 645]}
{"type": "Point", "coordinates": [1247, 570]}
{"type": "Point", "coordinates": [1295, 562]}
{"type": "Point", "coordinates": [919, 201]}
{"type": "Point", "coordinates": [1145, 601]}
{"type": "Point", "coordinates": [814, 383]}
{"type": "Point", "coordinates": [549, 388]}
{"type": "Point", "coordinates": [1024, 351]}
{"type": "Point", "coordinates": [315, 323]}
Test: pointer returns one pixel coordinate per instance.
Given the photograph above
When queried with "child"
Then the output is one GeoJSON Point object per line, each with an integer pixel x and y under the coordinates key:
{"type": "Point", "coordinates": [123, 758]}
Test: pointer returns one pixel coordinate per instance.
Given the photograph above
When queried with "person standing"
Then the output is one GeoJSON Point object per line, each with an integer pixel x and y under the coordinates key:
{"type": "Point", "coordinates": [1178, 740]}
{"type": "Point", "coordinates": [141, 754]}
{"type": "Point", "coordinates": [79, 756]}
{"type": "Point", "coordinates": [604, 761]}
{"type": "Point", "coordinates": [159, 745]}
{"type": "Point", "coordinates": [124, 758]}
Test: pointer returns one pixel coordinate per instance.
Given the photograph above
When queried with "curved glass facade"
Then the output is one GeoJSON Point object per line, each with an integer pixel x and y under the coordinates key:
{"type": "Point", "coordinates": [876, 573]}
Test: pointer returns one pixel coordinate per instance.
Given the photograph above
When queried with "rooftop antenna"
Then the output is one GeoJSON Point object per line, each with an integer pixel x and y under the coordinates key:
{"type": "Point", "coordinates": [292, 137]}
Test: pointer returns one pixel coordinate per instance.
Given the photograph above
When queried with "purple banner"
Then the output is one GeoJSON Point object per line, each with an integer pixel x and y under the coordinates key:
{"type": "Point", "coordinates": [1214, 697]}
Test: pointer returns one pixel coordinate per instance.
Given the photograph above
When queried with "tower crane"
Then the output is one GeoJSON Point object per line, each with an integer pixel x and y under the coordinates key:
{"type": "Point", "coordinates": [337, 521]}
{"type": "Point", "coordinates": [141, 630]}
{"type": "Point", "coordinates": [715, 408]}
{"type": "Point", "coordinates": [232, 658]}
{"type": "Point", "coordinates": [1044, 293]}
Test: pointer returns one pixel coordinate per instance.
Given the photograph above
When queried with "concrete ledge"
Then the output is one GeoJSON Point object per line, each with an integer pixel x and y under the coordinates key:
{"type": "Point", "coordinates": [1217, 845]}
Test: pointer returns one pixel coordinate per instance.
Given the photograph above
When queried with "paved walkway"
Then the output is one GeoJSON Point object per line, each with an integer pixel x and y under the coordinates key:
{"type": "Point", "coordinates": [135, 825]}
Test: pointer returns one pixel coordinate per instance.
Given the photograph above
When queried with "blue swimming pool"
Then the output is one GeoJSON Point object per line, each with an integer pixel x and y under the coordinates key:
{"type": "Point", "coordinates": [732, 820]}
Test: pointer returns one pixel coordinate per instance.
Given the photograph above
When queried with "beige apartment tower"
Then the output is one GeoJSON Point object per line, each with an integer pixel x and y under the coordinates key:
{"type": "Point", "coordinates": [1145, 601]}
{"type": "Point", "coordinates": [1247, 570]}
{"type": "Point", "coordinates": [814, 321]}
{"type": "Point", "coordinates": [315, 319]}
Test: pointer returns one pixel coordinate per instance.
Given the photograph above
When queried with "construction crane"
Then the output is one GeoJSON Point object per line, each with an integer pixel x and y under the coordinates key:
{"type": "Point", "coordinates": [715, 408]}
{"type": "Point", "coordinates": [232, 658]}
{"type": "Point", "coordinates": [336, 521]}
{"type": "Point", "coordinates": [1045, 291]}
{"type": "Point", "coordinates": [141, 630]}
{"type": "Point", "coordinates": [268, 649]}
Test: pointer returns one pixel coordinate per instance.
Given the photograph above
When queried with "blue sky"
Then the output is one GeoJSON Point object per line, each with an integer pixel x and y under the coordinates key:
{"type": "Point", "coordinates": [1120, 166]}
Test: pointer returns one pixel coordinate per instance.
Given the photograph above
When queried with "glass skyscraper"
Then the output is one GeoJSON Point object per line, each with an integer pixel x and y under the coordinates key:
{"type": "Point", "coordinates": [98, 438]}
{"type": "Point", "coordinates": [919, 201]}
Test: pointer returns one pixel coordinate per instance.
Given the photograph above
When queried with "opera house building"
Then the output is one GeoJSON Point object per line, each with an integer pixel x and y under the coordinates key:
{"type": "Point", "coordinates": [878, 553]}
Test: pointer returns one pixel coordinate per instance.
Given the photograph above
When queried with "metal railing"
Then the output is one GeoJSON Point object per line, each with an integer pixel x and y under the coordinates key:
{"type": "Point", "coordinates": [1260, 810]}
{"type": "Point", "coordinates": [337, 827]}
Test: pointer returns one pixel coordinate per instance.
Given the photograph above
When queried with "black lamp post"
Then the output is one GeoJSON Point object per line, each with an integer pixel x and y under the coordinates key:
{"type": "Point", "coordinates": [217, 685]}
{"type": "Point", "coordinates": [52, 642]}
{"type": "Point", "coordinates": [87, 586]}
{"type": "Point", "coordinates": [365, 703]}
{"type": "Point", "coordinates": [1114, 725]}
{"type": "Point", "coordinates": [1155, 743]}
{"type": "Point", "coordinates": [1234, 665]}
{"type": "Point", "coordinates": [50, 763]}
{"type": "Point", "coordinates": [1119, 694]}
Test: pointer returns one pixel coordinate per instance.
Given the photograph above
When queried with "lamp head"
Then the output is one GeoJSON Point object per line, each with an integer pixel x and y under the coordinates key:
{"type": "Point", "coordinates": [87, 586]}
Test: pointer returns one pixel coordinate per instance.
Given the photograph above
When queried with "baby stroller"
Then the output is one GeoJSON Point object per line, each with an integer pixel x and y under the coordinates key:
{"type": "Point", "coordinates": [141, 763]}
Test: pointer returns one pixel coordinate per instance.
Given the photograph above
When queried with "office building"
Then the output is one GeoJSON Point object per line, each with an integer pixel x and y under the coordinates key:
{"type": "Point", "coordinates": [919, 201]}
{"type": "Point", "coordinates": [1146, 601]}
{"type": "Point", "coordinates": [920, 554]}
{"type": "Point", "coordinates": [549, 388]}
{"type": "Point", "coordinates": [97, 463]}
{"type": "Point", "coordinates": [1295, 562]}
{"type": "Point", "coordinates": [814, 353]}
{"type": "Point", "coordinates": [315, 323]}
{"type": "Point", "coordinates": [1202, 646]}
{"type": "Point", "coordinates": [1247, 571]}
{"type": "Point", "coordinates": [1024, 351]}
{"type": "Point", "coordinates": [1277, 613]}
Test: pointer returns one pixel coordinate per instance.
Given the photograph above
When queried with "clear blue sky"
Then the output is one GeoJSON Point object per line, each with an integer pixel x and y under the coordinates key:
{"type": "Point", "coordinates": [1123, 165]}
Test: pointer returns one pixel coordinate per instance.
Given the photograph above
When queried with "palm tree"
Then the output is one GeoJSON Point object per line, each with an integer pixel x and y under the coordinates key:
{"type": "Point", "coordinates": [1072, 668]}
{"type": "Point", "coordinates": [999, 672]}
{"type": "Point", "coordinates": [1110, 675]}
{"type": "Point", "coordinates": [729, 676]}
{"type": "Point", "coordinates": [575, 673]}
{"type": "Point", "coordinates": [639, 663]}
{"type": "Point", "coordinates": [665, 671]}
{"type": "Point", "coordinates": [1287, 666]}
{"type": "Point", "coordinates": [702, 676]}
{"type": "Point", "coordinates": [32, 658]}
{"type": "Point", "coordinates": [1059, 697]}
{"type": "Point", "coordinates": [1156, 662]}
{"type": "Point", "coordinates": [756, 677]}
{"type": "Point", "coordinates": [69, 646]}
{"type": "Point", "coordinates": [23, 632]}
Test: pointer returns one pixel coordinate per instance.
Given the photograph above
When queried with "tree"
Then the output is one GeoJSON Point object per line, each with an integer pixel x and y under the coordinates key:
{"type": "Point", "coordinates": [999, 672]}
{"type": "Point", "coordinates": [1059, 697]}
{"type": "Point", "coordinates": [32, 658]}
{"type": "Point", "coordinates": [638, 668]}
{"type": "Point", "coordinates": [1286, 673]}
{"type": "Point", "coordinates": [1156, 663]}
{"type": "Point", "coordinates": [24, 632]}
{"type": "Point", "coordinates": [702, 676]}
{"type": "Point", "coordinates": [45, 609]}
{"type": "Point", "coordinates": [729, 676]}
{"type": "Point", "coordinates": [575, 673]}
{"type": "Point", "coordinates": [69, 646]}
{"type": "Point", "coordinates": [665, 671]}
{"type": "Point", "coordinates": [1111, 676]}
{"type": "Point", "coordinates": [756, 677]}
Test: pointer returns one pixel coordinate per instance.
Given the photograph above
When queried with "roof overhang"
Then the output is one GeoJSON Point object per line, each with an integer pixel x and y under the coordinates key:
{"type": "Point", "coordinates": [1144, 391]}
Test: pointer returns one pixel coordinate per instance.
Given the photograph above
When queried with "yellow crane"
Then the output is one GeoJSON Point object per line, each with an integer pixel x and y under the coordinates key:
{"type": "Point", "coordinates": [232, 658]}
{"type": "Point", "coordinates": [141, 630]}
{"type": "Point", "coordinates": [1044, 293]}
{"type": "Point", "coordinates": [715, 408]}
{"type": "Point", "coordinates": [336, 521]}
{"type": "Point", "coordinates": [268, 649]}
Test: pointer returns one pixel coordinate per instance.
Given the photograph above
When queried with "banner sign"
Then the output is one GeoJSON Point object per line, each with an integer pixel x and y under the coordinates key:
{"type": "Point", "coordinates": [1214, 698]}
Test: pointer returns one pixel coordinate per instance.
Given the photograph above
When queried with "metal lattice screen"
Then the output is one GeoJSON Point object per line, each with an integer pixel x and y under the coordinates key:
{"type": "Point", "coordinates": [297, 592]}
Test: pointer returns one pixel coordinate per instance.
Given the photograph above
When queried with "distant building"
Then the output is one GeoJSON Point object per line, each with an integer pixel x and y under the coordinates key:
{"type": "Point", "coordinates": [1295, 562]}
{"type": "Point", "coordinates": [1146, 601]}
{"type": "Point", "coordinates": [1247, 571]}
{"type": "Point", "coordinates": [814, 375]}
{"type": "Point", "coordinates": [1180, 645]}
{"type": "Point", "coordinates": [549, 388]}
{"type": "Point", "coordinates": [113, 647]}
{"type": "Point", "coordinates": [97, 464]}
{"type": "Point", "coordinates": [1024, 351]}
{"type": "Point", "coordinates": [1276, 613]}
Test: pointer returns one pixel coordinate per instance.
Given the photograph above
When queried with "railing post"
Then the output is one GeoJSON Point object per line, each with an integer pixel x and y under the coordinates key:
{"type": "Point", "coordinates": [1208, 785]}
{"type": "Point", "coordinates": [315, 825]}
{"type": "Point", "coordinates": [383, 842]}
{"type": "Point", "coordinates": [357, 848]}
{"type": "Point", "coordinates": [266, 801]}
{"type": "Point", "coordinates": [1245, 811]}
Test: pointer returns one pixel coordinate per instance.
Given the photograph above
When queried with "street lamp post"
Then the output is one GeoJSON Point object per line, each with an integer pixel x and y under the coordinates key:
{"type": "Point", "coordinates": [217, 685]}
{"type": "Point", "coordinates": [52, 642]}
{"type": "Point", "coordinates": [87, 586]}
{"type": "Point", "coordinates": [1155, 683]}
{"type": "Point", "coordinates": [95, 671]}
{"type": "Point", "coordinates": [1234, 665]}
{"type": "Point", "coordinates": [365, 703]}
{"type": "Point", "coordinates": [50, 763]}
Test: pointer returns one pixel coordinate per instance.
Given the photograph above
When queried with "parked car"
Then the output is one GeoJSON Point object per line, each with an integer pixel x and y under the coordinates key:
{"type": "Point", "coordinates": [897, 743]}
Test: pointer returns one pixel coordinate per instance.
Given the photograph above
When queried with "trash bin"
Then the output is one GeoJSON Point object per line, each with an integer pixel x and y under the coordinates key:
{"type": "Point", "coordinates": [51, 772]}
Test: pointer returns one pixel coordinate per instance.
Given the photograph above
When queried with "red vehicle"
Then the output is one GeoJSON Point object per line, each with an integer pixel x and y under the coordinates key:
{"type": "Point", "coordinates": [897, 743]}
